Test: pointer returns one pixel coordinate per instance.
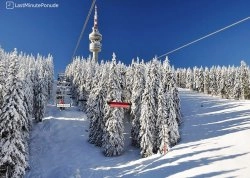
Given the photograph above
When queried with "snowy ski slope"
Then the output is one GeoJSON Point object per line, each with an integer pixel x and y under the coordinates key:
{"type": "Point", "coordinates": [215, 143]}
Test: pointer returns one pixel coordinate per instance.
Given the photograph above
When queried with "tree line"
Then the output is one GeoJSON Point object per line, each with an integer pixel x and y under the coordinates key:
{"type": "Point", "coordinates": [227, 82]}
{"type": "Point", "coordinates": [25, 87]}
{"type": "Point", "coordinates": [149, 87]}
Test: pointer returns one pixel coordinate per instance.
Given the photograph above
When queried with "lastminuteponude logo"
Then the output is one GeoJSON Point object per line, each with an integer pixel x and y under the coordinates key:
{"type": "Point", "coordinates": [13, 5]}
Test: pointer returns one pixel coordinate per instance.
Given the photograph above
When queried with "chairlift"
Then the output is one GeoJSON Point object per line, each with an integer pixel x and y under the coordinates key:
{"type": "Point", "coordinates": [68, 105]}
{"type": "Point", "coordinates": [62, 105]}
{"type": "Point", "coordinates": [118, 104]}
{"type": "Point", "coordinates": [63, 92]}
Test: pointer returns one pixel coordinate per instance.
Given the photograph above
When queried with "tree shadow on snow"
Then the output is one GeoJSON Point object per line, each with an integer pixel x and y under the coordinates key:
{"type": "Point", "coordinates": [206, 117]}
{"type": "Point", "coordinates": [163, 168]}
{"type": "Point", "coordinates": [158, 166]}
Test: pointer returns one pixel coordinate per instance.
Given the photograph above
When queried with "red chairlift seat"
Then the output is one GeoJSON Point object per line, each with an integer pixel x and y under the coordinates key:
{"type": "Point", "coordinates": [118, 104]}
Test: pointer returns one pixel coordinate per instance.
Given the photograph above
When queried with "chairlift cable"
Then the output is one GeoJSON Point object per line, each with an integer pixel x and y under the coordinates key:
{"type": "Point", "coordinates": [206, 36]}
{"type": "Point", "coordinates": [83, 28]}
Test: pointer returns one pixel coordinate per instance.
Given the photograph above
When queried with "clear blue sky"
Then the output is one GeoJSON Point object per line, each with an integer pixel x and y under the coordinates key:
{"type": "Point", "coordinates": [132, 28]}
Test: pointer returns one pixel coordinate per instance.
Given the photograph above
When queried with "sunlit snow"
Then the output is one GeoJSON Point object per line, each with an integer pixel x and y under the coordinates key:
{"type": "Point", "coordinates": [215, 143]}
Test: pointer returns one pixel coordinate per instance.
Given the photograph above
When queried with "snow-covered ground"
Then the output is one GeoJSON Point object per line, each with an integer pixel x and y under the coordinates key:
{"type": "Point", "coordinates": [215, 143]}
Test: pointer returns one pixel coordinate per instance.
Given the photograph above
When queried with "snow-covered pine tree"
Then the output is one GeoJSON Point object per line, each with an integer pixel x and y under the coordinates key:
{"type": "Point", "coordinates": [174, 135]}
{"type": "Point", "coordinates": [136, 100]}
{"type": "Point", "coordinates": [77, 73]}
{"type": "Point", "coordinates": [244, 80]}
{"type": "Point", "coordinates": [169, 84]}
{"type": "Point", "coordinates": [90, 74]}
{"type": "Point", "coordinates": [82, 97]}
{"type": "Point", "coordinates": [85, 81]}
{"type": "Point", "coordinates": [196, 78]}
{"type": "Point", "coordinates": [13, 161]}
{"type": "Point", "coordinates": [95, 110]}
{"type": "Point", "coordinates": [71, 71]}
{"type": "Point", "coordinates": [178, 77]}
{"type": "Point", "coordinates": [50, 69]}
{"type": "Point", "coordinates": [213, 81]}
{"type": "Point", "coordinates": [13, 124]}
{"type": "Point", "coordinates": [223, 86]}
{"type": "Point", "coordinates": [95, 113]}
{"type": "Point", "coordinates": [189, 79]}
{"type": "Point", "coordinates": [177, 104]}
{"type": "Point", "coordinates": [40, 93]}
{"type": "Point", "coordinates": [27, 87]}
{"type": "Point", "coordinates": [147, 118]}
{"type": "Point", "coordinates": [162, 125]}
{"type": "Point", "coordinates": [183, 78]}
{"type": "Point", "coordinates": [122, 70]}
{"type": "Point", "coordinates": [2, 55]}
{"type": "Point", "coordinates": [129, 79]}
{"type": "Point", "coordinates": [3, 74]}
{"type": "Point", "coordinates": [28, 95]}
{"type": "Point", "coordinates": [181, 74]}
{"type": "Point", "coordinates": [237, 85]}
{"type": "Point", "coordinates": [155, 72]}
{"type": "Point", "coordinates": [231, 81]}
{"type": "Point", "coordinates": [173, 105]}
{"type": "Point", "coordinates": [201, 80]}
{"type": "Point", "coordinates": [218, 79]}
{"type": "Point", "coordinates": [206, 81]}
{"type": "Point", "coordinates": [104, 84]}
{"type": "Point", "coordinates": [113, 139]}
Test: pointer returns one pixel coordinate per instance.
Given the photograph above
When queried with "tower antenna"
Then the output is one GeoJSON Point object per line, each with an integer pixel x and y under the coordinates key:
{"type": "Point", "coordinates": [95, 38]}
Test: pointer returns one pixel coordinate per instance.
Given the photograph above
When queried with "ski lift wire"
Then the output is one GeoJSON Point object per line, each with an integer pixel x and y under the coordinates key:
{"type": "Point", "coordinates": [206, 36]}
{"type": "Point", "coordinates": [83, 28]}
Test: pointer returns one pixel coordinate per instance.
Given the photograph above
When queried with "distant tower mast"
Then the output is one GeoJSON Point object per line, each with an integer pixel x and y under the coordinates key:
{"type": "Point", "coordinates": [95, 39]}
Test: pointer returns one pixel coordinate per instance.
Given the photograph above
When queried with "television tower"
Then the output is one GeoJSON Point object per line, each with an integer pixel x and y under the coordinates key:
{"type": "Point", "coordinates": [95, 39]}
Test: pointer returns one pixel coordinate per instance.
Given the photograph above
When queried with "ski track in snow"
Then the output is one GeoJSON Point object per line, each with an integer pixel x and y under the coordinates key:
{"type": "Point", "coordinates": [215, 143]}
